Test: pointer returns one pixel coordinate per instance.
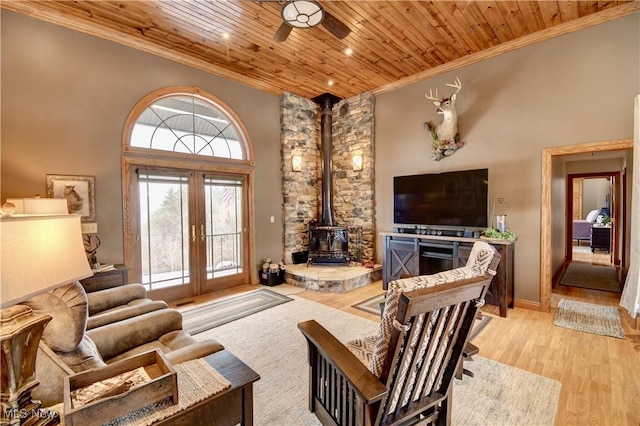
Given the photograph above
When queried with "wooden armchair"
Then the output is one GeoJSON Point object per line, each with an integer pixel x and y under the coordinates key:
{"type": "Point", "coordinates": [413, 359]}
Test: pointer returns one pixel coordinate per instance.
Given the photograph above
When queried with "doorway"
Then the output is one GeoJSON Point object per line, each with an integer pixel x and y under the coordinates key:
{"type": "Point", "coordinates": [592, 216]}
{"type": "Point", "coordinates": [191, 231]}
{"type": "Point", "coordinates": [187, 173]}
{"type": "Point", "coordinates": [546, 205]}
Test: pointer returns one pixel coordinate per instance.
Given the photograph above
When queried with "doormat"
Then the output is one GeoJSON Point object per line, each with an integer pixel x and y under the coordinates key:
{"type": "Point", "coordinates": [371, 305]}
{"type": "Point", "coordinates": [589, 318]}
{"type": "Point", "coordinates": [594, 277]}
{"type": "Point", "coordinates": [220, 312]}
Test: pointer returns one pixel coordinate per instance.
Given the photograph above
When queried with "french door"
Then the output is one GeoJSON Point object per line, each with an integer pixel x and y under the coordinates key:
{"type": "Point", "coordinates": [191, 231]}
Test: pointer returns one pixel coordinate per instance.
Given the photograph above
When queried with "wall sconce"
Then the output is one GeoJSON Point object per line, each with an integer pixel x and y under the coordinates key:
{"type": "Point", "coordinates": [296, 163]}
{"type": "Point", "coordinates": [357, 162]}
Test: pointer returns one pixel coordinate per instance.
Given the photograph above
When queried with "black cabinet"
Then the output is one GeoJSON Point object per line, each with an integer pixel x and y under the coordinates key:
{"type": "Point", "coordinates": [601, 238]}
{"type": "Point", "coordinates": [410, 256]}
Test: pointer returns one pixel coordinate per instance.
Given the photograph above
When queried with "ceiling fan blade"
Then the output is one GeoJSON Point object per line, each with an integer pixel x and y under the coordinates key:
{"type": "Point", "coordinates": [282, 33]}
{"type": "Point", "coordinates": [335, 26]}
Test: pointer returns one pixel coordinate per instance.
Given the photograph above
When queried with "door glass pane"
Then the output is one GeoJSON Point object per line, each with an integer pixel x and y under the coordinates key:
{"type": "Point", "coordinates": [223, 209]}
{"type": "Point", "coordinates": [164, 230]}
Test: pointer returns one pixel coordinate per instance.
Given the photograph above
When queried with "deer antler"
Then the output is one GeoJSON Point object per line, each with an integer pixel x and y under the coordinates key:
{"type": "Point", "coordinates": [456, 85]}
{"type": "Point", "coordinates": [431, 97]}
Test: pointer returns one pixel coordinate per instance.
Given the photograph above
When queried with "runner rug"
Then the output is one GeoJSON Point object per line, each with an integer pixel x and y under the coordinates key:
{"type": "Point", "coordinates": [271, 344]}
{"type": "Point", "coordinates": [595, 277]}
{"type": "Point", "coordinates": [220, 312]}
{"type": "Point", "coordinates": [589, 318]}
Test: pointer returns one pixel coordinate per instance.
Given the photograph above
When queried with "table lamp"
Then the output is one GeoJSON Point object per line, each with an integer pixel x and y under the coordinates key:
{"type": "Point", "coordinates": [39, 253]}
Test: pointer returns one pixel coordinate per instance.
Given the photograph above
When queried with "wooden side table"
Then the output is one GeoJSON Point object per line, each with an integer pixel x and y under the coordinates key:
{"type": "Point", "coordinates": [106, 279]}
{"type": "Point", "coordinates": [230, 407]}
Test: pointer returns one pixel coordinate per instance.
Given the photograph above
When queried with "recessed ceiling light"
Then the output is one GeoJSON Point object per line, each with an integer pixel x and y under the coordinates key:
{"type": "Point", "coordinates": [226, 36]}
{"type": "Point", "coordinates": [330, 82]}
{"type": "Point", "coordinates": [348, 51]}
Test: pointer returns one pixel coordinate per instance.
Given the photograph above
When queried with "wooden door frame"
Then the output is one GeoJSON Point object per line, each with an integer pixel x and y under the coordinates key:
{"type": "Point", "coordinates": [545, 205]}
{"type": "Point", "coordinates": [129, 162]}
{"type": "Point", "coordinates": [615, 202]}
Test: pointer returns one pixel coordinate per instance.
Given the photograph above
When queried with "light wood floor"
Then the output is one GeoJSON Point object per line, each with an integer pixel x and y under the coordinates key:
{"type": "Point", "coordinates": [600, 375]}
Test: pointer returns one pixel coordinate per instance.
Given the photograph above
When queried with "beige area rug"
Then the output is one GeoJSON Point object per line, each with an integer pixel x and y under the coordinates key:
{"type": "Point", "coordinates": [271, 344]}
{"type": "Point", "coordinates": [214, 314]}
{"type": "Point", "coordinates": [589, 318]}
{"type": "Point", "coordinates": [594, 277]}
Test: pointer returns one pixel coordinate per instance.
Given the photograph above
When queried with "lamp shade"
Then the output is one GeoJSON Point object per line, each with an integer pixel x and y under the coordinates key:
{"type": "Point", "coordinates": [39, 205]}
{"type": "Point", "coordinates": [39, 253]}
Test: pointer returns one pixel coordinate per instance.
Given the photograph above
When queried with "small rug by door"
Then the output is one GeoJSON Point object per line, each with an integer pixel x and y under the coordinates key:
{"type": "Point", "coordinates": [594, 277]}
{"type": "Point", "coordinates": [589, 318]}
{"type": "Point", "coordinates": [220, 312]}
{"type": "Point", "coordinates": [371, 305]}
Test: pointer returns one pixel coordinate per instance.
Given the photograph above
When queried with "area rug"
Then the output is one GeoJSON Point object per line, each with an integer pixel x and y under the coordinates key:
{"type": "Point", "coordinates": [271, 344]}
{"type": "Point", "coordinates": [589, 318]}
{"type": "Point", "coordinates": [594, 277]}
{"type": "Point", "coordinates": [217, 313]}
{"type": "Point", "coordinates": [371, 305]}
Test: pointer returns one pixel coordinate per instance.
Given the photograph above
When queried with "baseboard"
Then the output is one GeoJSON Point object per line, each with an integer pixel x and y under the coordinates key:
{"type": "Point", "coordinates": [635, 323]}
{"type": "Point", "coordinates": [527, 304]}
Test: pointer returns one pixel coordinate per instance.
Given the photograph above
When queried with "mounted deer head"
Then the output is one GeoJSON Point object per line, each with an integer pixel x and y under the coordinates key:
{"type": "Point", "coordinates": [446, 139]}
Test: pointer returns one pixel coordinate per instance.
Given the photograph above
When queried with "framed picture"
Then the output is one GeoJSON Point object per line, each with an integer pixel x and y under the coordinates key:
{"type": "Point", "coordinates": [79, 191]}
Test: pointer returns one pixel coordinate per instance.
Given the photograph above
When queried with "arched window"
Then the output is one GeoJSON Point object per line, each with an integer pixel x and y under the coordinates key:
{"type": "Point", "coordinates": [187, 180]}
{"type": "Point", "coordinates": [185, 121]}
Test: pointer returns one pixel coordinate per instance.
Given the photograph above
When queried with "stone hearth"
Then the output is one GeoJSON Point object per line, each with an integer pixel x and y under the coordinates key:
{"type": "Point", "coordinates": [334, 279]}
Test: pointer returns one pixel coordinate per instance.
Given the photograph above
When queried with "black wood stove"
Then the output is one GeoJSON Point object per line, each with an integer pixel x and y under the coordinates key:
{"type": "Point", "coordinates": [328, 243]}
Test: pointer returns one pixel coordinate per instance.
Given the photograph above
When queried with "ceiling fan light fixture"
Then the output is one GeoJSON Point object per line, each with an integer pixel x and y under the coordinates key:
{"type": "Point", "coordinates": [302, 13]}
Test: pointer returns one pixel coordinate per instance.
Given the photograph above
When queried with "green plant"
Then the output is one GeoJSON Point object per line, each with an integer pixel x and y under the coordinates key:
{"type": "Point", "coordinates": [606, 219]}
{"type": "Point", "coordinates": [500, 235]}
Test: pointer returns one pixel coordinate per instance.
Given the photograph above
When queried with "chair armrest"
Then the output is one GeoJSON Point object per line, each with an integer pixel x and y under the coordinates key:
{"type": "Point", "coordinates": [330, 348]}
{"type": "Point", "coordinates": [124, 312]}
{"type": "Point", "coordinates": [102, 300]}
{"type": "Point", "coordinates": [119, 337]}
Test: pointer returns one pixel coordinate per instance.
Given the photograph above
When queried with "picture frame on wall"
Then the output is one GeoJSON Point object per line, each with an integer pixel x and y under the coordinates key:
{"type": "Point", "coordinates": [79, 191]}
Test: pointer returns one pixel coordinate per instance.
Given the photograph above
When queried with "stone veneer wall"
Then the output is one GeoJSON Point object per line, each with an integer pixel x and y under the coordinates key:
{"type": "Point", "coordinates": [353, 191]}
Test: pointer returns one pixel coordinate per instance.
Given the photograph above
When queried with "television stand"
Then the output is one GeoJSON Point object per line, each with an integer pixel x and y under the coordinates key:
{"type": "Point", "coordinates": [409, 255]}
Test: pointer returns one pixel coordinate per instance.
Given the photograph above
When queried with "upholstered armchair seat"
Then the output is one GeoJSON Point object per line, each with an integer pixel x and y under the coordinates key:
{"type": "Point", "coordinates": [67, 347]}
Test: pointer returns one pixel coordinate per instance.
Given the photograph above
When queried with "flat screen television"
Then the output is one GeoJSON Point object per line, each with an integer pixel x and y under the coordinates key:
{"type": "Point", "coordinates": [457, 199]}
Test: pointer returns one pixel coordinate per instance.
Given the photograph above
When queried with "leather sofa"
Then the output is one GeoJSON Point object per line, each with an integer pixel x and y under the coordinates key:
{"type": "Point", "coordinates": [128, 324]}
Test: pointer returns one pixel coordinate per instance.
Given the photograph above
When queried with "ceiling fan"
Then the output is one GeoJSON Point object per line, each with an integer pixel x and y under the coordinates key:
{"type": "Point", "coordinates": [308, 14]}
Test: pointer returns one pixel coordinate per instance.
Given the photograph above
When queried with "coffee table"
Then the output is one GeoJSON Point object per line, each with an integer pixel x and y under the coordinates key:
{"type": "Point", "coordinates": [230, 407]}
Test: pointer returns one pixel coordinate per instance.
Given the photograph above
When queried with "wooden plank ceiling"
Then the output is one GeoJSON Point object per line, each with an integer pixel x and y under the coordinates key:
{"type": "Point", "coordinates": [393, 43]}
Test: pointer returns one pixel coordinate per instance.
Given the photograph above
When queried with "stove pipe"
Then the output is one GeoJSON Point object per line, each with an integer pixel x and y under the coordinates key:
{"type": "Point", "coordinates": [326, 102]}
